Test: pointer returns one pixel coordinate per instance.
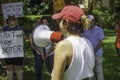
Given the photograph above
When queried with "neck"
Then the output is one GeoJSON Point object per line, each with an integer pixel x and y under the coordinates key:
{"type": "Point", "coordinates": [76, 35]}
{"type": "Point", "coordinates": [92, 27]}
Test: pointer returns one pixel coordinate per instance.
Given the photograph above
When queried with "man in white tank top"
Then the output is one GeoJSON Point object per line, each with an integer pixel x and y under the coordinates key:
{"type": "Point", "coordinates": [74, 56]}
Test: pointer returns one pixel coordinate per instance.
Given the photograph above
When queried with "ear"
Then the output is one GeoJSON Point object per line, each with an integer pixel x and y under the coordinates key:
{"type": "Point", "coordinates": [65, 22]}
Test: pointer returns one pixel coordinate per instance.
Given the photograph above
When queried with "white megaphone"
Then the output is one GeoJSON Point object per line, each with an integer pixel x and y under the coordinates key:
{"type": "Point", "coordinates": [42, 36]}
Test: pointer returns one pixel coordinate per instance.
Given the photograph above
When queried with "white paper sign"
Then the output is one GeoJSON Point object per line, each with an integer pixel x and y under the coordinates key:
{"type": "Point", "coordinates": [11, 44]}
{"type": "Point", "coordinates": [12, 8]}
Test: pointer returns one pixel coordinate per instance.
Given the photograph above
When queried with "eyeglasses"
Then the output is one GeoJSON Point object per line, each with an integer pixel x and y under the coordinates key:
{"type": "Point", "coordinates": [11, 20]}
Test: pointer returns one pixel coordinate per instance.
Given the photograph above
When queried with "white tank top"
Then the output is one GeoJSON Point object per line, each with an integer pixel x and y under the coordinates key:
{"type": "Point", "coordinates": [83, 59]}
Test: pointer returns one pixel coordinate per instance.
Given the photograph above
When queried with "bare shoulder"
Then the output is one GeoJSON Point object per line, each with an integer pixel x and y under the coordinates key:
{"type": "Point", "coordinates": [61, 58]}
{"type": "Point", "coordinates": [64, 44]}
{"type": "Point", "coordinates": [63, 47]}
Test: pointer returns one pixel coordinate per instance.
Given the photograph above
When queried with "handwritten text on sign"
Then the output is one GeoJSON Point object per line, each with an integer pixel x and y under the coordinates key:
{"type": "Point", "coordinates": [11, 44]}
{"type": "Point", "coordinates": [12, 8]}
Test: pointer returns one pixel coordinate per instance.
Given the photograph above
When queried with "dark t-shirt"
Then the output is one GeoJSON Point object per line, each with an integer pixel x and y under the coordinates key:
{"type": "Point", "coordinates": [7, 28]}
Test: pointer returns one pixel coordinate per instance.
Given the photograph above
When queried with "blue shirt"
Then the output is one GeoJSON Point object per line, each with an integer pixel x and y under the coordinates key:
{"type": "Point", "coordinates": [7, 28]}
{"type": "Point", "coordinates": [95, 35]}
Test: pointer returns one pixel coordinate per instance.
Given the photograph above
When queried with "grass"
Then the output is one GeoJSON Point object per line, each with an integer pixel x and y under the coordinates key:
{"type": "Point", "coordinates": [111, 62]}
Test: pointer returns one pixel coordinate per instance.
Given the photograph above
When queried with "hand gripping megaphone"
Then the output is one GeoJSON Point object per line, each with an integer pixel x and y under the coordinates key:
{"type": "Point", "coordinates": [42, 36]}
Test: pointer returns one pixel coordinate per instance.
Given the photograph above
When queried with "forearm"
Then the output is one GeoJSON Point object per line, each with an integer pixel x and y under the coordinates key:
{"type": "Point", "coordinates": [98, 46]}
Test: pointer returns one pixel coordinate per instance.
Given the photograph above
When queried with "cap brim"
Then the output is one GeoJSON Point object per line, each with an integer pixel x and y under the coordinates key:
{"type": "Point", "coordinates": [56, 16]}
{"type": "Point", "coordinates": [11, 17]}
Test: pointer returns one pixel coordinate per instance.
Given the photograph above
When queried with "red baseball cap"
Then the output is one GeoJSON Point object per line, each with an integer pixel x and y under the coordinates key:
{"type": "Point", "coordinates": [71, 13]}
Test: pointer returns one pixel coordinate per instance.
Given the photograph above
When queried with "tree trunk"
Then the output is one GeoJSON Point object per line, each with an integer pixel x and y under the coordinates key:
{"type": "Point", "coordinates": [90, 6]}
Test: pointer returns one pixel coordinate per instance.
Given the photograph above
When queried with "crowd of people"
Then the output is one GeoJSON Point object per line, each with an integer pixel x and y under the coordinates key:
{"type": "Point", "coordinates": [78, 56]}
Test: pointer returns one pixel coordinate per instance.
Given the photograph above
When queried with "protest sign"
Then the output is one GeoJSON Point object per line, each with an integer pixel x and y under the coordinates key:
{"type": "Point", "coordinates": [12, 8]}
{"type": "Point", "coordinates": [11, 44]}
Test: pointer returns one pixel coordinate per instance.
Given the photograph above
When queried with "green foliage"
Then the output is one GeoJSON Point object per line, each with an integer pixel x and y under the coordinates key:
{"type": "Point", "coordinates": [27, 21]}
{"type": "Point", "coordinates": [109, 32]}
{"type": "Point", "coordinates": [110, 59]}
{"type": "Point", "coordinates": [31, 8]}
{"type": "Point", "coordinates": [105, 18]}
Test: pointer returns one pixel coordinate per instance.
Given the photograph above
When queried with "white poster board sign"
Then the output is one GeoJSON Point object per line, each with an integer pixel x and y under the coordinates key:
{"type": "Point", "coordinates": [12, 8]}
{"type": "Point", "coordinates": [11, 44]}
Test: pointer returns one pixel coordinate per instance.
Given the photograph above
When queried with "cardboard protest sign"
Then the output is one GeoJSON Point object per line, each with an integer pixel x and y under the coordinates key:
{"type": "Point", "coordinates": [12, 8]}
{"type": "Point", "coordinates": [11, 44]}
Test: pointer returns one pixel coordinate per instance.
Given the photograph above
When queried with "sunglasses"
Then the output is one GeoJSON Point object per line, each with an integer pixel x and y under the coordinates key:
{"type": "Point", "coordinates": [11, 20]}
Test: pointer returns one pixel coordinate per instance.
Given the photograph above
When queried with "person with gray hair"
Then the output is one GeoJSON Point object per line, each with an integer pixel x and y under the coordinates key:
{"type": "Point", "coordinates": [96, 35]}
